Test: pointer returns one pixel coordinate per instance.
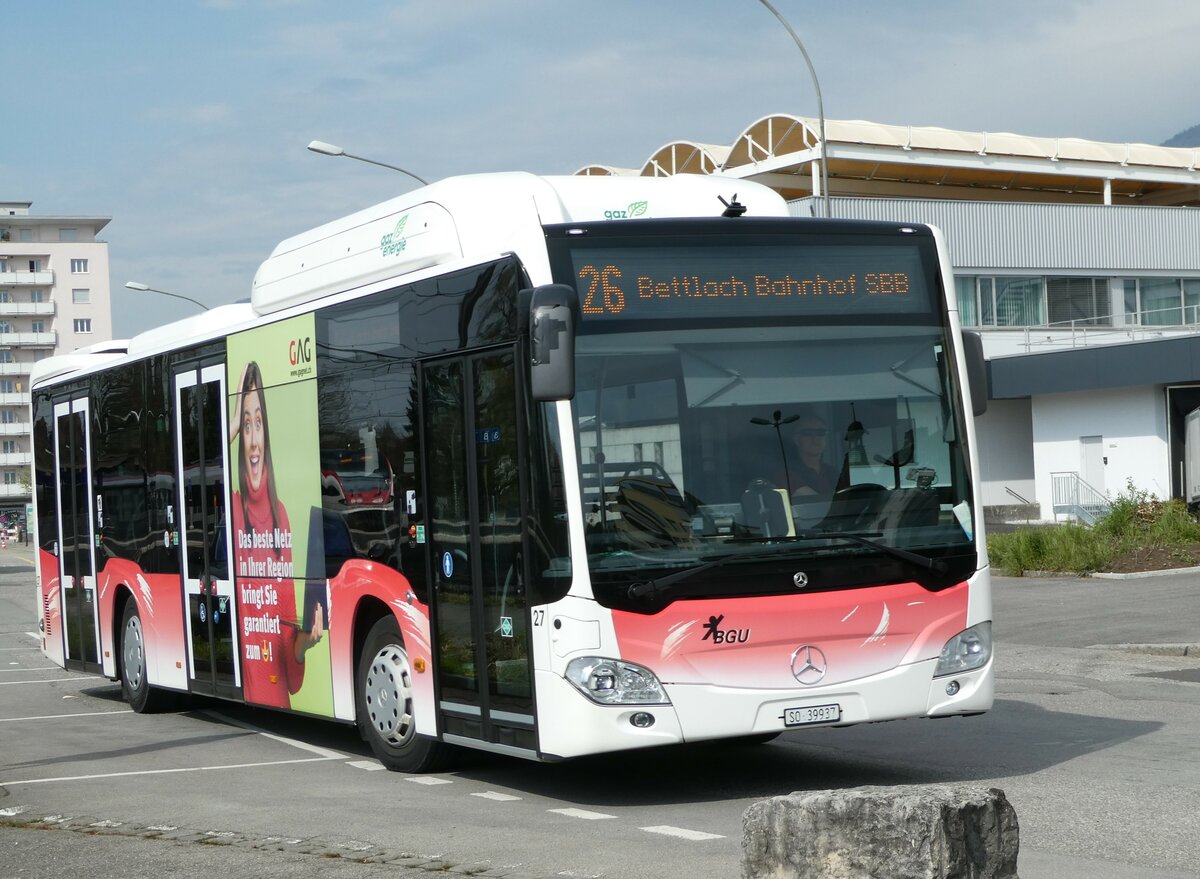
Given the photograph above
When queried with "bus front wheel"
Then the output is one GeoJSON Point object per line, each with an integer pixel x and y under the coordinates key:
{"type": "Point", "coordinates": [137, 691]}
{"type": "Point", "coordinates": [384, 696]}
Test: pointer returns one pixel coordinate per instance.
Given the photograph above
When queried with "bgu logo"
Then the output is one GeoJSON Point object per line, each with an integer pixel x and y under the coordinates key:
{"type": "Point", "coordinates": [300, 351]}
{"type": "Point", "coordinates": [729, 636]}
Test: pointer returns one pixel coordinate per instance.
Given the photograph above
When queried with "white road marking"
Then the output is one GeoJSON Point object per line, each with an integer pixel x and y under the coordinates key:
{"type": "Point", "coordinates": [64, 716]}
{"type": "Point", "coordinates": [12, 811]}
{"type": "Point", "coordinates": [369, 765]}
{"type": "Point", "coordinates": [498, 797]}
{"type": "Point", "coordinates": [166, 771]}
{"type": "Point", "coordinates": [46, 681]}
{"type": "Point", "coordinates": [429, 780]}
{"type": "Point", "coordinates": [324, 753]}
{"type": "Point", "coordinates": [35, 636]}
{"type": "Point", "coordinates": [693, 835]}
{"type": "Point", "coordinates": [581, 813]}
{"type": "Point", "coordinates": [35, 668]}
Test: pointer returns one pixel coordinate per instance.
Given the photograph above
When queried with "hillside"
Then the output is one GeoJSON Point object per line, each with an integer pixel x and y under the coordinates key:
{"type": "Point", "coordinates": [1189, 138]}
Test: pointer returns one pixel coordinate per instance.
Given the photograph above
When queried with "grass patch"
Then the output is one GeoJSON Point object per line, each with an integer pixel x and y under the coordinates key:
{"type": "Point", "coordinates": [1138, 523]}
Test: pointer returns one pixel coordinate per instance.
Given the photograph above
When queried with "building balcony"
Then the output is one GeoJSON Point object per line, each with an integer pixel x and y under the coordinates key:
{"type": "Point", "coordinates": [26, 279]}
{"type": "Point", "coordinates": [29, 340]}
{"type": "Point", "coordinates": [9, 369]}
{"type": "Point", "coordinates": [13, 492]}
{"type": "Point", "coordinates": [21, 309]}
{"type": "Point", "coordinates": [17, 399]}
{"type": "Point", "coordinates": [15, 428]}
{"type": "Point", "coordinates": [16, 459]}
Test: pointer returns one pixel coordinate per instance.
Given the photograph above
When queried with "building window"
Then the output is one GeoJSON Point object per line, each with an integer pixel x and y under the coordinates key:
{"type": "Point", "coordinates": [83, 324]}
{"type": "Point", "coordinates": [1078, 302]}
{"type": "Point", "coordinates": [10, 477]}
{"type": "Point", "coordinates": [37, 296]}
{"type": "Point", "coordinates": [6, 356]}
{"type": "Point", "coordinates": [8, 416]}
{"type": "Point", "coordinates": [26, 235]}
{"type": "Point", "coordinates": [9, 447]}
{"type": "Point", "coordinates": [1001, 301]}
{"type": "Point", "coordinates": [35, 265]}
{"type": "Point", "coordinates": [5, 296]}
{"type": "Point", "coordinates": [5, 326]}
{"type": "Point", "coordinates": [79, 266]}
{"type": "Point", "coordinates": [7, 386]}
{"type": "Point", "coordinates": [1162, 302]}
{"type": "Point", "coordinates": [68, 236]}
{"type": "Point", "coordinates": [38, 326]}
{"type": "Point", "coordinates": [81, 296]}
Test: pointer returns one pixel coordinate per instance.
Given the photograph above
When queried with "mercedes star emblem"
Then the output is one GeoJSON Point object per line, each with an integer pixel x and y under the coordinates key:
{"type": "Point", "coordinates": [808, 665]}
{"type": "Point", "coordinates": [800, 579]}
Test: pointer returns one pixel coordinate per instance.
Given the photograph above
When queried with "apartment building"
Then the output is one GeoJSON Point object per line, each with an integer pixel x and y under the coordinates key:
{"type": "Point", "coordinates": [1075, 260]}
{"type": "Point", "coordinates": [54, 298]}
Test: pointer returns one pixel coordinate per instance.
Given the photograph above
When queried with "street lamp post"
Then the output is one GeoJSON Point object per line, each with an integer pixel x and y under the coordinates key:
{"type": "Point", "coordinates": [143, 288]}
{"type": "Point", "coordinates": [820, 105]}
{"type": "Point", "coordinates": [328, 149]}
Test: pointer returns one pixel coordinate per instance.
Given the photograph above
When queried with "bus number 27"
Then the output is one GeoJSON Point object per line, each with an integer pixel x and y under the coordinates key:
{"type": "Point", "coordinates": [602, 294]}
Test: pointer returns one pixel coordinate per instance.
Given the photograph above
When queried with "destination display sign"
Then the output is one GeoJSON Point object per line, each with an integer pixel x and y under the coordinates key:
{"type": "Point", "coordinates": [750, 280]}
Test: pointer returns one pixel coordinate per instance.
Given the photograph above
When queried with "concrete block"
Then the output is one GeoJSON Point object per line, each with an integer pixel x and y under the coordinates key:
{"type": "Point", "coordinates": [917, 832]}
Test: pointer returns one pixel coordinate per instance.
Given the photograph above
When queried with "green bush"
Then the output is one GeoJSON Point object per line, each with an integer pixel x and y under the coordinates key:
{"type": "Point", "coordinates": [1138, 520]}
{"type": "Point", "coordinates": [1073, 548]}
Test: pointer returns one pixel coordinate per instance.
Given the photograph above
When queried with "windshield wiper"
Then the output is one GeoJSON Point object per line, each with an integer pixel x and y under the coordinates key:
{"type": "Point", "coordinates": [653, 589]}
{"type": "Point", "coordinates": [925, 563]}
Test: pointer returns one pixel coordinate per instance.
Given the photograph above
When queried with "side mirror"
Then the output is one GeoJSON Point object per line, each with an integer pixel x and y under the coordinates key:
{"type": "Point", "coordinates": [977, 379]}
{"type": "Point", "coordinates": [552, 311]}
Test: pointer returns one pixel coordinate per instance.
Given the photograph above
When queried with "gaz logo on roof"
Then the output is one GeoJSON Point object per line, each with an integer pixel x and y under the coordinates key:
{"type": "Point", "coordinates": [394, 242]}
{"type": "Point", "coordinates": [635, 209]}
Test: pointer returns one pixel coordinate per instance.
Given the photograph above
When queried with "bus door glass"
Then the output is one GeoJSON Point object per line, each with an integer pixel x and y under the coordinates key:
{"type": "Point", "coordinates": [481, 615]}
{"type": "Point", "coordinates": [76, 542]}
{"type": "Point", "coordinates": [202, 448]}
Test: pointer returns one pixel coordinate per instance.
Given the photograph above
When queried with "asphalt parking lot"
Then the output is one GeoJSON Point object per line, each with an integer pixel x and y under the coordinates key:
{"type": "Point", "coordinates": [1092, 739]}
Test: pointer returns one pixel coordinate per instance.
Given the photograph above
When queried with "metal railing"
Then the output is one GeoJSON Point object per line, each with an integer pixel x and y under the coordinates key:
{"type": "Point", "coordinates": [1107, 329]}
{"type": "Point", "coordinates": [1072, 496]}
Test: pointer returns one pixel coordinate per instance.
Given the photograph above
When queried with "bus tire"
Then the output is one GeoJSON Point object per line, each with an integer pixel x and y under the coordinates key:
{"type": "Point", "coordinates": [384, 700]}
{"type": "Point", "coordinates": [135, 687]}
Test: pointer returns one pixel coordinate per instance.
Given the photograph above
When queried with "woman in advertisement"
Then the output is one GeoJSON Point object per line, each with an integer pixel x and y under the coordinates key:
{"type": "Point", "coordinates": [274, 640]}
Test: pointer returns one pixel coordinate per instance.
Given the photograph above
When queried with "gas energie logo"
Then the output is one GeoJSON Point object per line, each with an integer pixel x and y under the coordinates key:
{"type": "Point", "coordinates": [635, 209]}
{"type": "Point", "coordinates": [394, 242]}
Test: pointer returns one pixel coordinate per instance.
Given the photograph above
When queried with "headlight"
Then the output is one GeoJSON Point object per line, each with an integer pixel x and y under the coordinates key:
{"type": "Point", "coordinates": [613, 682]}
{"type": "Point", "coordinates": [965, 651]}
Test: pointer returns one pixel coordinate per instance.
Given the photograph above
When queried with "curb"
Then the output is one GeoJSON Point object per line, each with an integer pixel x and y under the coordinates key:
{"type": "Point", "coordinates": [1139, 574]}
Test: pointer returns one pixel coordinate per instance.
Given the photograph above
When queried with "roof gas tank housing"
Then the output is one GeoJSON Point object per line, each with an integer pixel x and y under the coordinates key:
{"type": "Point", "coordinates": [473, 218]}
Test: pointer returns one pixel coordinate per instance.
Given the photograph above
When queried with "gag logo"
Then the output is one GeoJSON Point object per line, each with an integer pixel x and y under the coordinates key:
{"type": "Point", "coordinates": [635, 209]}
{"type": "Point", "coordinates": [300, 351]}
{"type": "Point", "coordinates": [300, 356]}
{"type": "Point", "coordinates": [394, 242]}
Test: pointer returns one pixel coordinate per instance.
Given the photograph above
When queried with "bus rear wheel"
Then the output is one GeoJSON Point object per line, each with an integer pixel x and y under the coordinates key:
{"type": "Point", "coordinates": [135, 687]}
{"type": "Point", "coordinates": [384, 697]}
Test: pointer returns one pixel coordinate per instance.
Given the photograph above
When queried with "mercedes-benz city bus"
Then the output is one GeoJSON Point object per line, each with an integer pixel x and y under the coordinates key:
{"type": "Point", "coordinates": [647, 461]}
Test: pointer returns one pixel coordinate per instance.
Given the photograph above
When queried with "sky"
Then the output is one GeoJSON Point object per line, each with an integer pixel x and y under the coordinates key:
{"type": "Point", "coordinates": [186, 121]}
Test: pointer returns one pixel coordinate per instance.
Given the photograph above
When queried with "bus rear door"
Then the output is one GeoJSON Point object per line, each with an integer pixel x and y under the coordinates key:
{"type": "Point", "coordinates": [475, 483]}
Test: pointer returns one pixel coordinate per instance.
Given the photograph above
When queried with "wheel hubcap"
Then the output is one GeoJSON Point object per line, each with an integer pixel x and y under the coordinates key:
{"type": "Point", "coordinates": [389, 696]}
{"type": "Point", "coordinates": [134, 655]}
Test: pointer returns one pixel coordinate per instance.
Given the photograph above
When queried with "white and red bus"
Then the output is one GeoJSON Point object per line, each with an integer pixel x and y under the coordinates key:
{"type": "Point", "coordinates": [647, 461]}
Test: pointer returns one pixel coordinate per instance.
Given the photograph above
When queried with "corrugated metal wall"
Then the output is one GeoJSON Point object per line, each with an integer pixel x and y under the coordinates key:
{"type": "Point", "coordinates": [1043, 238]}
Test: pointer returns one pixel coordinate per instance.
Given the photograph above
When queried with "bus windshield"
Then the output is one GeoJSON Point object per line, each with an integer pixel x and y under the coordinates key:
{"type": "Point", "coordinates": [728, 426]}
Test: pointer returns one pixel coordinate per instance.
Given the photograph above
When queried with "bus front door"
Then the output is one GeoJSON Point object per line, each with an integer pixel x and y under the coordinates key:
{"type": "Point", "coordinates": [76, 540]}
{"type": "Point", "coordinates": [202, 450]}
{"type": "Point", "coordinates": [474, 478]}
